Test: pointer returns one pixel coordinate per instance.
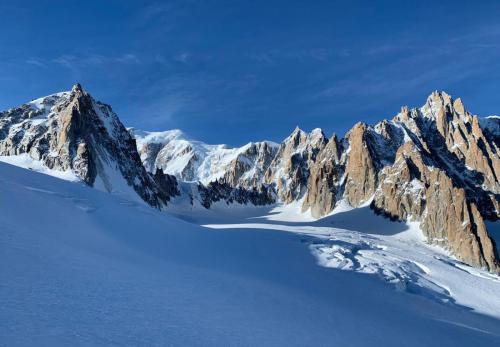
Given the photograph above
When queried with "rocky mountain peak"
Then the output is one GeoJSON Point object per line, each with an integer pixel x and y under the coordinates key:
{"type": "Point", "coordinates": [439, 99]}
{"type": "Point", "coordinates": [71, 132]}
{"type": "Point", "coordinates": [290, 169]}
{"type": "Point", "coordinates": [77, 88]}
{"type": "Point", "coordinates": [297, 130]}
{"type": "Point", "coordinates": [440, 106]}
{"type": "Point", "coordinates": [318, 137]}
{"type": "Point", "coordinates": [297, 137]}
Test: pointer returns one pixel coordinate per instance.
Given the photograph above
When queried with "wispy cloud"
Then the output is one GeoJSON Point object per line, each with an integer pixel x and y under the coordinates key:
{"type": "Point", "coordinates": [318, 54]}
{"type": "Point", "coordinates": [178, 99]}
{"type": "Point", "coordinates": [162, 111]}
{"type": "Point", "coordinates": [126, 58]}
{"type": "Point", "coordinates": [164, 102]}
{"type": "Point", "coordinates": [405, 66]}
{"type": "Point", "coordinates": [157, 9]}
{"type": "Point", "coordinates": [183, 57]}
{"type": "Point", "coordinates": [35, 61]}
{"type": "Point", "coordinates": [163, 14]}
{"type": "Point", "coordinates": [65, 60]}
{"type": "Point", "coordinates": [94, 60]}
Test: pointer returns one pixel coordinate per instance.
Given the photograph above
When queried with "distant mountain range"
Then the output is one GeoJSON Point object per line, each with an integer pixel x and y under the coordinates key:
{"type": "Point", "coordinates": [437, 164]}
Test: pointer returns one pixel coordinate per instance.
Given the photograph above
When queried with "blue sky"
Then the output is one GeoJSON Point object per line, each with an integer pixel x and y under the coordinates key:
{"type": "Point", "coordinates": [236, 71]}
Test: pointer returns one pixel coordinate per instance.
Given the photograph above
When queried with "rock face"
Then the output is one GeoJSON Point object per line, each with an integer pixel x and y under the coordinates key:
{"type": "Point", "coordinates": [220, 190]}
{"type": "Point", "coordinates": [250, 165]}
{"type": "Point", "coordinates": [410, 189]}
{"type": "Point", "coordinates": [361, 171]}
{"type": "Point", "coordinates": [324, 180]}
{"type": "Point", "coordinates": [71, 131]}
{"type": "Point", "coordinates": [289, 171]}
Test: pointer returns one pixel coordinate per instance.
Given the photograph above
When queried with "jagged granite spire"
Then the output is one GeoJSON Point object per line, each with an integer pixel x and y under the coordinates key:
{"type": "Point", "coordinates": [435, 164]}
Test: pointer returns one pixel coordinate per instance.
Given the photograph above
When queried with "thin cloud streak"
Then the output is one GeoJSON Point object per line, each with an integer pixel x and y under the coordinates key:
{"type": "Point", "coordinates": [36, 62]}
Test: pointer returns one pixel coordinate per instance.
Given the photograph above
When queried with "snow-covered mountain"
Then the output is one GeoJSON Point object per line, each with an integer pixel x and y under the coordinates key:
{"type": "Point", "coordinates": [194, 161]}
{"type": "Point", "coordinates": [437, 165]}
{"type": "Point", "coordinates": [412, 201]}
{"type": "Point", "coordinates": [284, 165]}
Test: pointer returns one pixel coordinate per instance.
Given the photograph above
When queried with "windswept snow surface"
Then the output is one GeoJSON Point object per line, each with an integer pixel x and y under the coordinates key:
{"type": "Point", "coordinates": [355, 239]}
{"type": "Point", "coordinates": [80, 267]}
{"type": "Point", "coordinates": [111, 180]}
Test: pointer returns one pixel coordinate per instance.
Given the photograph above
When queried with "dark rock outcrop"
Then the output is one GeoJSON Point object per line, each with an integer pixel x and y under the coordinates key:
{"type": "Point", "coordinates": [222, 191]}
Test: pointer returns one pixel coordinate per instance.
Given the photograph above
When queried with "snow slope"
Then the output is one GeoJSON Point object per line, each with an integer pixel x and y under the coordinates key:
{"type": "Point", "coordinates": [355, 239]}
{"type": "Point", "coordinates": [25, 161]}
{"type": "Point", "coordinates": [81, 267]}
